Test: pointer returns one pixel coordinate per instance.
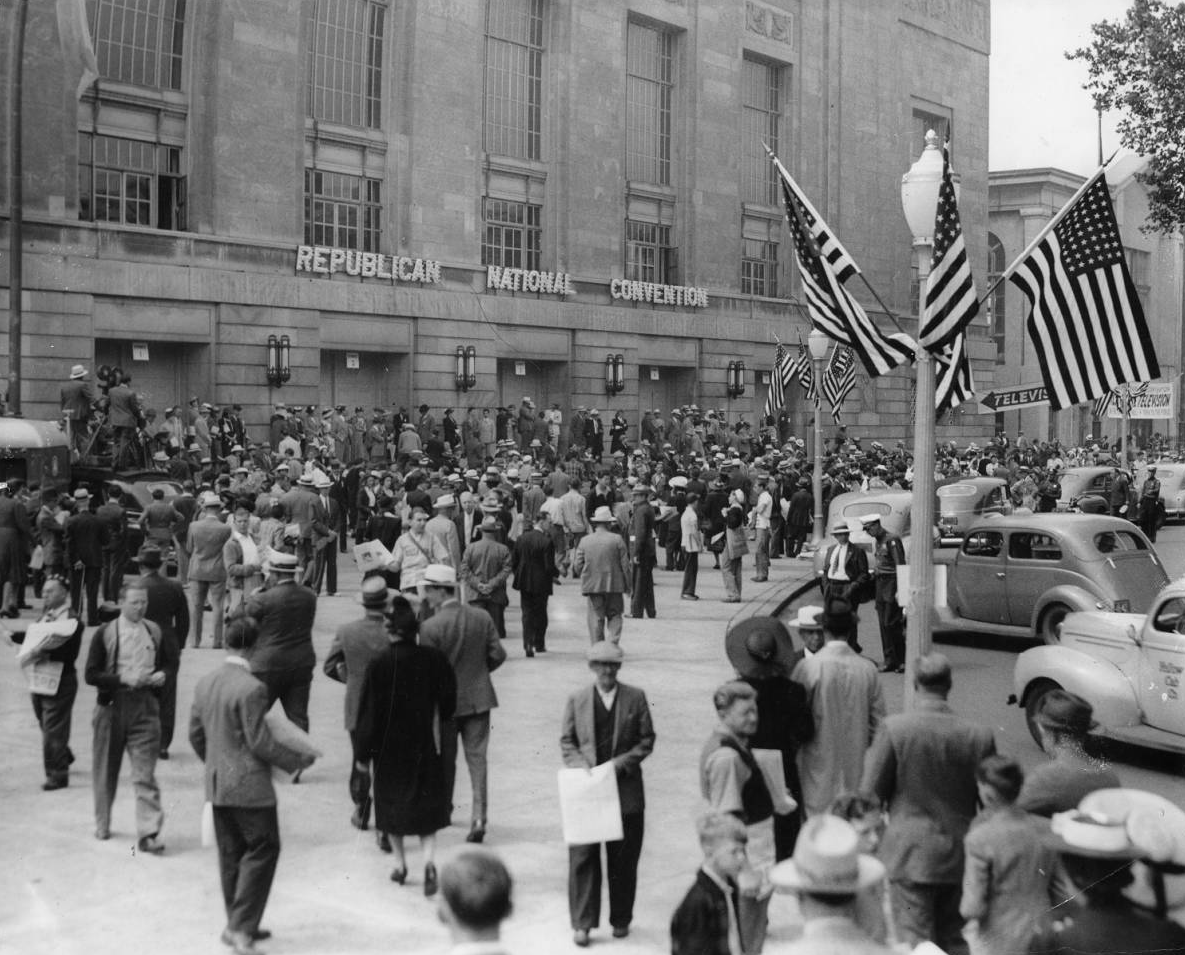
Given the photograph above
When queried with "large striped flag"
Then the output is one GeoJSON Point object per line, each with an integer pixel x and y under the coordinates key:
{"type": "Point", "coordinates": [825, 266]}
{"type": "Point", "coordinates": [952, 371]}
{"type": "Point", "coordinates": [1086, 322]}
{"type": "Point", "coordinates": [839, 379]}
{"type": "Point", "coordinates": [1101, 405]}
{"type": "Point", "coordinates": [804, 370]}
{"type": "Point", "coordinates": [951, 303]}
{"type": "Point", "coordinates": [781, 377]}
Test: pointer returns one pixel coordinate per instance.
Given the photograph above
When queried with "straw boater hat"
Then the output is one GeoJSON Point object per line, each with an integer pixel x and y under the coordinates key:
{"type": "Point", "coordinates": [605, 652]}
{"type": "Point", "coordinates": [603, 515]}
{"type": "Point", "coordinates": [280, 563]}
{"type": "Point", "coordinates": [374, 593]}
{"type": "Point", "coordinates": [809, 617]}
{"type": "Point", "coordinates": [78, 371]}
{"type": "Point", "coordinates": [439, 575]}
{"type": "Point", "coordinates": [841, 527]}
{"type": "Point", "coordinates": [445, 500]}
{"type": "Point", "coordinates": [759, 647]}
{"type": "Point", "coordinates": [827, 861]}
{"type": "Point", "coordinates": [490, 524]}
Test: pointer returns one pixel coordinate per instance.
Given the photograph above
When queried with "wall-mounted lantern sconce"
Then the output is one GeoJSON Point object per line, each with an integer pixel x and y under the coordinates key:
{"type": "Point", "coordinates": [466, 374]}
{"type": "Point", "coordinates": [614, 374]}
{"type": "Point", "coordinates": [736, 379]}
{"type": "Point", "coordinates": [278, 369]}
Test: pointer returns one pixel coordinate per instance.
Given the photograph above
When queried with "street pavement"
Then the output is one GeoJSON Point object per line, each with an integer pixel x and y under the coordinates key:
{"type": "Point", "coordinates": [63, 892]}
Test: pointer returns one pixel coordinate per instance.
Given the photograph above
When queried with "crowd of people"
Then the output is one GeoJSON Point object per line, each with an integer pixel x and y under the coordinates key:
{"type": "Point", "coordinates": [521, 500]}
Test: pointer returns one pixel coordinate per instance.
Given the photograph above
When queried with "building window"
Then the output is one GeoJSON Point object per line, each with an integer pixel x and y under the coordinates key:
{"type": "Point", "coordinates": [1139, 265]}
{"type": "Point", "coordinates": [923, 121]}
{"type": "Point", "coordinates": [514, 78]}
{"type": "Point", "coordinates": [761, 111]}
{"type": "Point", "coordinates": [649, 256]}
{"type": "Point", "coordinates": [344, 67]}
{"type": "Point", "coordinates": [996, 301]}
{"type": "Point", "coordinates": [649, 93]}
{"type": "Point", "coordinates": [130, 182]}
{"type": "Point", "coordinates": [759, 268]}
{"type": "Point", "coordinates": [342, 210]}
{"type": "Point", "coordinates": [513, 236]}
{"type": "Point", "coordinates": [139, 41]}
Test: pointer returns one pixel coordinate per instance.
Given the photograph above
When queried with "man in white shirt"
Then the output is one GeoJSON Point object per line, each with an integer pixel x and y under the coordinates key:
{"type": "Point", "coordinates": [845, 575]}
{"type": "Point", "coordinates": [759, 520]}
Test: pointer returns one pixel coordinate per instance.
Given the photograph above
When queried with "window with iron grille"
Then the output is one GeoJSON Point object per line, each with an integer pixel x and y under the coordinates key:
{"type": "Point", "coordinates": [650, 88]}
{"type": "Point", "coordinates": [344, 67]}
{"type": "Point", "coordinates": [130, 182]}
{"type": "Point", "coordinates": [759, 267]}
{"type": "Point", "coordinates": [649, 256]}
{"type": "Point", "coordinates": [761, 111]}
{"type": "Point", "coordinates": [139, 41]}
{"type": "Point", "coordinates": [513, 236]}
{"type": "Point", "coordinates": [342, 210]}
{"type": "Point", "coordinates": [514, 78]}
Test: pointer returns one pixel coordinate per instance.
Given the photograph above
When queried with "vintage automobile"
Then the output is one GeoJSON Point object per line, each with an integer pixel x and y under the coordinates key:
{"type": "Point", "coordinates": [1172, 489]}
{"type": "Point", "coordinates": [136, 489]}
{"type": "Point", "coordinates": [892, 507]}
{"type": "Point", "coordinates": [1086, 489]}
{"type": "Point", "coordinates": [1020, 575]}
{"type": "Point", "coordinates": [37, 452]}
{"type": "Point", "coordinates": [961, 502]}
{"type": "Point", "coordinates": [1128, 666]}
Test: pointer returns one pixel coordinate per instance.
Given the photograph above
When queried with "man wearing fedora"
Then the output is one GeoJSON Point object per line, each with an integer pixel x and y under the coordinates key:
{"type": "Point", "coordinates": [284, 658]}
{"type": "Point", "coordinates": [534, 566]}
{"type": "Point", "coordinates": [467, 637]}
{"type": "Point", "coordinates": [78, 399]}
{"type": "Point", "coordinates": [443, 527]}
{"type": "Point", "coordinates": [827, 875]}
{"type": "Point", "coordinates": [922, 766]}
{"type": "Point", "coordinates": [484, 569]}
{"type": "Point", "coordinates": [169, 610]}
{"type": "Point", "coordinates": [354, 646]}
{"type": "Point", "coordinates": [204, 543]}
{"type": "Point", "coordinates": [645, 555]}
{"type": "Point", "coordinates": [602, 561]}
{"type": "Point", "coordinates": [761, 651]}
{"type": "Point", "coordinates": [845, 575]}
{"type": "Point", "coordinates": [83, 541]}
{"type": "Point", "coordinates": [606, 722]}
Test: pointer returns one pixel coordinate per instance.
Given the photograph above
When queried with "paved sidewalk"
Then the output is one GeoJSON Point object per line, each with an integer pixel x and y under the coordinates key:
{"type": "Point", "coordinates": [62, 892]}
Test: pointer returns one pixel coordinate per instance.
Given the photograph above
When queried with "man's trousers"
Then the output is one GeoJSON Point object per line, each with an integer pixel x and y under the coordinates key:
{"type": "Point", "coordinates": [131, 722]}
{"type": "Point", "coordinates": [474, 731]}
{"type": "Point", "coordinates": [621, 864]}
{"type": "Point", "coordinates": [198, 592]}
{"type": "Point", "coordinates": [54, 714]}
{"type": "Point", "coordinates": [892, 620]}
{"type": "Point", "coordinates": [291, 687]}
{"type": "Point", "coordinates": [604, 616]}
{"type": "Point", "coordinates": [248, 850]}
{"type": "Point", "coordinates": [534, 610]}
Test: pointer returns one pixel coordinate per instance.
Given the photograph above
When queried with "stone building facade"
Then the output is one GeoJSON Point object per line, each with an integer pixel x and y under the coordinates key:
{"type": "Point", "coordinates": [354, 174]}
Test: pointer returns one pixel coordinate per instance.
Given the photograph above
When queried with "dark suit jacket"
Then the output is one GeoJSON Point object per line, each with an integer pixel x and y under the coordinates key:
{"type": "Point", "coordinates": [467, 637]}
{"type": "Point", "coordinates": [700, 923]}
{"type": "Point", "coordinates": [856, 567]}
{"type": "Point", "coordinates": [228, 732]}
{"type": "Point", "coordinates": [354, 646]}
{"type": "Point", "coordinates": [204, 542]}
{"type": "Point", "coordinates": [169, 610]}
{"type": "Point", "coordinates": [84, 540]}
{"type": "Point", "coordinates": [285, 614]}
{"type": "Point", "coordinates": [633, 739]}
{"type": "Point", "coordinates": [101, 659]}
{"type": "Point", "coordinates": [922, 766]}
{"type": "Point", "coordinates": [77, 397]}
{"type": "Point", "coordinates": [114, 521]}
{"type": "Point", "coordinates": [124, 407]}
{"type": "Point", "coordinates": [533, 561]}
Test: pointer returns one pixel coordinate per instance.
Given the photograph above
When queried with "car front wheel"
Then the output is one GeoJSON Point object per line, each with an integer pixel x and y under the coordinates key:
{"type": "Point", "coordinates": [1050, 624]}
{"type": "Point", "coordinates": [1034, 703]}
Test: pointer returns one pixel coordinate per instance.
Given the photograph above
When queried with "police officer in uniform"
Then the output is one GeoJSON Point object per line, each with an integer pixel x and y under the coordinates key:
{"type": "Point", "coordinates": [889, 555]}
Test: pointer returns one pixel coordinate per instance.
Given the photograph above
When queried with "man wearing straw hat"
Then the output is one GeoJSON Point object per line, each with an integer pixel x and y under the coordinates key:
{"type": "Point", "coordinates": [603, 563]}
{"type": "Point", "coordinates": [845, 574]}
{"type": "Point", "coordinates": [78, 398]}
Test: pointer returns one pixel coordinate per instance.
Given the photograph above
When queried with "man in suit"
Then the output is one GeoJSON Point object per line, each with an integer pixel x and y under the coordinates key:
{"type": "Point", "coordinates": [204, 543]}
{"type": "Point", "coordinates": [484, 570]}
{"type": "Point", "coordinates": [114, 523]}
{"type": "Point", "coordinates": [442, 526]}
{"type": "Point", "coordinates": [603, 564]}
{"type": "Point", "coordinates": [922, 767]}
{"type": "Point", "coordinates": [78, 397]}
{"type": "Point", "coordinates": [284, 658]}
{"type": "Point", "coordinates": [645, 556]}
{"type": "Point", "coordinates": [354, 646]}
{"type": "Point", "coordinates": [125, 664]}
{"type": "Point", "coordinates": [845, 575]}
{"type": "Point", "coordinates": [594, 435]}
{"type": "Point", "coordinates": [534, 566]}
{"type": "Point", "coordinates": [303, 507]}
{"type": "Point", "coordinates": [606, 722]}
{"type": "Point", "coordinates": [169, 610]}
{"type": "Point", "coordinates": [325, 552]}
{"type": "Point", "coordinates": [468, 520]}
{"type": "Point", "coordinates": [229, 733]}
{"type": "Point", "coordinates": [124, 413]}
{"type": "Point", "coordinates": [467, 636]}
{"type": "Point", "coordinates": [184, 504]}
{"type": "Point", "coordinates": [84, 557]}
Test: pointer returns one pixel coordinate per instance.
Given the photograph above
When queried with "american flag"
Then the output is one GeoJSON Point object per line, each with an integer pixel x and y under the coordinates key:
{"type": "Point", "coordinates": [781, 377]}
{"type": "Point", "coordinates": [951, 302]}
{"type": "Point", "coordinates": [839, 379]}
{"type": "Point", "coordinates": [1121, 400]}
{"type": "Point", "coordinates": [1086, 322]}
{"type": "Point", "coordinates": [805, 372]}
{"type": "Point", "coordinates": [952, 372]}
{"type": "Point", "coordinates": [1101, 405]}
{"type": "Point", "coordinates": [825, 266]}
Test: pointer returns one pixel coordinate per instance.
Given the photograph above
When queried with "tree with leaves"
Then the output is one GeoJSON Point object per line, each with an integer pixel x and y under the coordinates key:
{"type": "Point", "coordinates": [1137, 66]}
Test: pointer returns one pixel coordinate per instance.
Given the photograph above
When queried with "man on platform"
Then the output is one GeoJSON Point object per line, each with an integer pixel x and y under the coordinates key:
{"type": "Point", "coordinates": [78, 398]}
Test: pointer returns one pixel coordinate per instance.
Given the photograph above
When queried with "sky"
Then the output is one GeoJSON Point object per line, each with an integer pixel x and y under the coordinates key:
{"type": "Point", "coordinates": [1039, 113]}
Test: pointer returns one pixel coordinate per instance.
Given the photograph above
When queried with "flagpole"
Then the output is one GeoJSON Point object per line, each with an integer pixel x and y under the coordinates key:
{"type": "Point", "coordinates": [1048, 227]}
{"type": "Point", "coordinates": [16, 239]}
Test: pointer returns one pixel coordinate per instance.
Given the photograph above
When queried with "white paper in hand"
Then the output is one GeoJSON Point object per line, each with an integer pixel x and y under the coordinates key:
{"type": "Point", "coordinates": [773, 772]}
{"type": "Point", "coordinates": [589, 805]}
{"type": "Point", "coordinates": [371, 555]}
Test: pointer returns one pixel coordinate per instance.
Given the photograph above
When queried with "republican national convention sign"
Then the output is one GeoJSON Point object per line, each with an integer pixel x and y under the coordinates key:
{"type": "Point", "coordinates": [1157, 402]}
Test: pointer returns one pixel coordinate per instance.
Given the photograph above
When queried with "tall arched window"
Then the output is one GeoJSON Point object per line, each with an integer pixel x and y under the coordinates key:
{"type": "Point", "coordinates": [139, 41]}
{"type": "Point", "coordinates": [996, 265]}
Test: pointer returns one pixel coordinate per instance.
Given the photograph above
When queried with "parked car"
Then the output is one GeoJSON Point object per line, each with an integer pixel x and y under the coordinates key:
{"type": "Point", "coordinates": [135, 495]}
{"type": "Point", "coordinates": [1128, 666]}
{"type": "Point", "coordinates": [961, 502]}
{"type": "Point", "coordinates": [37, 452]}
{"type": "Point", "coordinates": [1020, 575]}
{"type": "Point", "coordinates": [1087, 490]}
{"type": "Point", "coordinates": [891, 506]}
{"type": "Point", "coordinates": [1172, 489]}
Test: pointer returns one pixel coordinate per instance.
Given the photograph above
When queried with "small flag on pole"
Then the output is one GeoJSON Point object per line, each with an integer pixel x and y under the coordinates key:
{"type": "Point", "coordinates": [1085, 321]}
{"type": "Point", "coordinates": [839, 379]}
{"type": "Point", "coordinates": [951, 302]}
{"type": "Point", "coordinates": [781, 377]}
{"type": "Point", "coordinates": [804, 370]}
{"type": "Point", "coordinates": [952, 372]}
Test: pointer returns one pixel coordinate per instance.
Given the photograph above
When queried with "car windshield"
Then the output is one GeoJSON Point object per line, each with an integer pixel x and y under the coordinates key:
{"type": "Point", "coordinates": [169, 489]}
{"type": "Point", "coordinates": [1111, 542]}
{"type": "Point", "coordinates": [957, 490]}
{"type": "Point", "coordinates": [860, 508]}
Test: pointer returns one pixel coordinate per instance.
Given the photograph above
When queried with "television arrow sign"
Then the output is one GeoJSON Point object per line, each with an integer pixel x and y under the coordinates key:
{"type": "Point", "coordinates": [1008, 399]}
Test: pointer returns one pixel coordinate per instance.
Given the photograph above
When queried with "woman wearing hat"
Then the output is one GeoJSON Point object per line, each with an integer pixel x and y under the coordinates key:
{"type": "Point", "coordinates": [408, 691]}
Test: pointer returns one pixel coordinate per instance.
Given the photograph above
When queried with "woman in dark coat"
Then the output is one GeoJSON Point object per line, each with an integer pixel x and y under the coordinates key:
{"type": "Point", "coordinates": [618, 428]}
{"type": "Point", "coordinates": [407, 693]}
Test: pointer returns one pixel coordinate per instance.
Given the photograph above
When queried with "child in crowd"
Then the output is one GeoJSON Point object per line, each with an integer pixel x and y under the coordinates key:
{"type": "Point", "coordinates": [868, 819]}
{"type": "Point", "coordinates": [706, 923]}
